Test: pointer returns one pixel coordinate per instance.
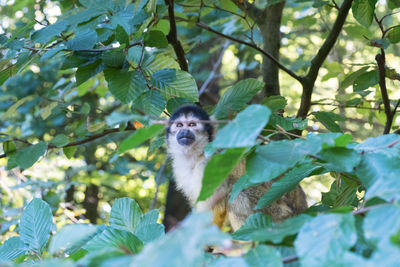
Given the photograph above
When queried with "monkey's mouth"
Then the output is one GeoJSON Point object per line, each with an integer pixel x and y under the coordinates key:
{"type": "Point", "coordinates": [185, 138]}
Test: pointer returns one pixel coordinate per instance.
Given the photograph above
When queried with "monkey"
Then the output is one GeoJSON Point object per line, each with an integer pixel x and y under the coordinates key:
{"type": "Point", "coordinates": [187, 134]}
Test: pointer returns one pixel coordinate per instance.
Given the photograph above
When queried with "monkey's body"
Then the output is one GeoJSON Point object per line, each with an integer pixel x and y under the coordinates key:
{"type": "Point", "coordinates": [188, 162]}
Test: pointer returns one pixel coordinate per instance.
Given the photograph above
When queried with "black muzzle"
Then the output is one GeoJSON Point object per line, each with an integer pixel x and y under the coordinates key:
{"type": "Point", "coordinates": [185, 137]}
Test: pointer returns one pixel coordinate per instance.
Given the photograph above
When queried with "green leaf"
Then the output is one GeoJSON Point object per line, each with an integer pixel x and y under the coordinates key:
{"type": "Point", "coordinates": [350, 78]}
{"type": "Point", "coordinates": [151, 103]}
{"type": "Point", "coordinates": [174, 83]}
{"type": "Point", "coordinates": [121, 36]}
{"type": "Point", "coordinates": [363, 11]}
{"type": "Point", "coordinates": [9, 147]}
{"type": "Point", "coordinates": [27, 156]}
{"type": "Point", "coordinates": [140, 136]}
{"type": "Point", "coordinates": [269, 161]}
{"type": "Point", "coordinates": [155, 39]}
{"type": "Point", "coordinates": [59, 140]}
{"type": "Point", "coordinates": [344, 194]}
{"type": "Point", "coordinates": [275, 102]}
{"type": "Point", "coordinates": [218, 168]}
{"type": "Point", "coordinates": [382, 222]}
{"type": "Point", "coordinates": [83, 16]}
{"type": "Point", "coordinates": [286, 184]}
{"type": "Point", "coordinates": [125, 214]}
{"type": "Point", "coordinates": [259, 227]}
{"type": "Point", "coordinates": [263, 256]}
{"type": "Point", "coordinates": [174, 103]}
{"type": "Point", "coordinates": [45, 34]}
{"type": "Point", "coordinates": [114, 238]}
{"type": "Point", "coordinates": [340, 159]}
{"type": "Point", "coordinates": [158, 62]}
{"type": "Point", "coordinates": [327, 120]}
{"type": "Point", "coordinates": [83, 40]}
{"type": "Point", "coordinates": [67, 239]}
{"type": "Point", "coordinates": [84, 73]}
{"type": "Point", "coordinates": [125, 86]}
{"type": "Point", "coordinates": [114, 59]}
{"type": "Point", "coordinates": [148, 229]}
{"type": "Point", "coordinates": [244, 129]}
{"type": "Point", "coordinates": [392, 4]}
{"type": "Point", "coordinates": [366, 80]}
{"type": "Point", "coordinates": [12, 248]}
{"type": "Point", "coordinates": [394, 35]}
{"type": "Point", "coordinates": [35, 226]}
{"type": "Point", "coordinates": [323, 240]}
{"type": "Point", "coordinates": [236, 97]}
{"type": "Point", "coordinates": [287, 123]}
{"type": "Point", "coordinates": [69, 151]}
{"type": "Point", "coordinates": [175, 250]}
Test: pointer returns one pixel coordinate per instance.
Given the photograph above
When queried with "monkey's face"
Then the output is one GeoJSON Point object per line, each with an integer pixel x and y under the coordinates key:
{"type": "Point", "coordinates": [187, 130]}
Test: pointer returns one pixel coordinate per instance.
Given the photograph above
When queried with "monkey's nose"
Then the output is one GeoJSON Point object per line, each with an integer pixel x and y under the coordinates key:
{"type": "Point", "coordinates": [185, 137]}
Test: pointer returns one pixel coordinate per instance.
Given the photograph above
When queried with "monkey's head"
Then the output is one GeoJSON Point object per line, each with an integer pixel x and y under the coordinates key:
{"type": "Point", "coordinates": [188, 129]}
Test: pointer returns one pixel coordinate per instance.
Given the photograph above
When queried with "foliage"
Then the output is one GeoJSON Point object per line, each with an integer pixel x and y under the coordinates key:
{"type": "Point", "coordinates": [86, 87]}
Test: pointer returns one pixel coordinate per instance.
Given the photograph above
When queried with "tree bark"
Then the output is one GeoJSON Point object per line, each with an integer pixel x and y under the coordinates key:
{"type": "Point", "coordinates": [269, 25]}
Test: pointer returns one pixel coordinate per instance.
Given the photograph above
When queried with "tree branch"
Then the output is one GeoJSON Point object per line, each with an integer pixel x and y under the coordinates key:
{"type": "Point", "coordinates": [251, 10]}
{"type": "Point", "coordinates": [268, 55]}
{"type": "Point", "coordinates": [380, 60]}
{"type": "Point", "coordinates": [319, 58]}
{"type": "Point", "coordinates": [84, 50]}
{"type": "Point", "coordinates": [172, 37]}
{"type": "Point", "coordinates": [89, 139]}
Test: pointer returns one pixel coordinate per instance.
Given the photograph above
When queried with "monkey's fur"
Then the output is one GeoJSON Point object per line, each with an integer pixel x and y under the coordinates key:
{"type": "Point", "coordinates": [186, 137]}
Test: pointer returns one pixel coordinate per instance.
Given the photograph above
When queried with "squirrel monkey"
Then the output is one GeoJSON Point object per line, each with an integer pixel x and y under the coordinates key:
{"type": "Point", "coordinates": [188, 133]}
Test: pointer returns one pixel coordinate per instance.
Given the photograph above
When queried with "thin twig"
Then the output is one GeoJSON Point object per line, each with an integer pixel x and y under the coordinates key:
{"type": "Point", "coordinates": [84, 50]}
{"type": "Point", "coordinates": [214, 69]}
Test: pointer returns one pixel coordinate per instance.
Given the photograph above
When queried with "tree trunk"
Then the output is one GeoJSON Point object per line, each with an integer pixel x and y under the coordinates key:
{"type": "Point", "coordinates": [269, 25]}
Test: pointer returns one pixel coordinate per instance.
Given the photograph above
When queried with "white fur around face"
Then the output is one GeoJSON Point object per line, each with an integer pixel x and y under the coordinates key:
{"type": "Point", "coordinates": [188, 162]}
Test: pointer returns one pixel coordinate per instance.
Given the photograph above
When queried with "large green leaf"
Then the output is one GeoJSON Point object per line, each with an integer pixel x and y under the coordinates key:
{"type": "Point", "coordinates": [84, 73]}
{"type": "Point", "coordinates": [244, 129]}
{"type": "Point", "coordinates": [125, 85]}
{"type": "Point", "coordinates": [155, 39]}
{"type": "Point", "coordinates": [125, 214]}
{"type": "Point", "coordinates": [271, 160]}
{"type": "Point", "coordinates": [323, 240]}
{"type": "Point", "coordinates": [174, 83]}
{"type": "Point", "coordinates": [236, 97]}
{"type": "Point", "coordinates": [342, 194]}
{"type": "Point", "coordinates": [27, 156]}
{"type": "Point", "coordinates": [382, 222]}
{"type": "Point", "coordinates": [114, 238]}
{"type": "Point", "coordinates": [394, 35]}
{"type": "Point", "coordinates": [36, 223]}
{"type": "Point", "coordinates": [363, 11]}
{"type": "Point", "coordinates": [184, 246]}
{"type": "Point", "coordinates": [152, 103]}
{"type": "Point", "coordinates": [218, 168]}
{"type": "Point", "coordinates": [140, 136]}
{"type": "Point", "coordinates": [263, 256]}
{"type": "Point", "coordinates": [12, 248]}
{"type": "Point", "coordinates": [148, 229]}
{"type": "Point", "coordinates": [350, 78]}
{"type": "Point", "coordinates": [46, 34]}
{"type": "Point", "coordinates": [340, 159]}
{"type": "Point", "coordinates": [259, 227]}
{"type": "Point", "coordinates": [327, 119]}
{"type": "Point", "coordinates": [366, 80]}
{"type": "Point", "coordinates": [83, 40]}
{"type": "Point", "coordinates": [67, 239]}
{"type": "Point", "coordinates": [286, 184]}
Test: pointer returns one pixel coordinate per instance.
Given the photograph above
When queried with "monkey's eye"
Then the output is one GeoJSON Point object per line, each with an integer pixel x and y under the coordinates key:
{"type": "Point", "coordinates": [192, 124]}
{"type": "Point", "coordinates": [179, 124]}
